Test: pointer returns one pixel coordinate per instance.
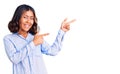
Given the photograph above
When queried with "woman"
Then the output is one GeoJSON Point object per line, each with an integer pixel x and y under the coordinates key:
{"type": "Point", "coordinates": [25, 46]}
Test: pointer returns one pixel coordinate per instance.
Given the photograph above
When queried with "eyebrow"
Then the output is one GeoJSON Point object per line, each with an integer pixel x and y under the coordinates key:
{"type": "Point", "coordinates": [27, 16]}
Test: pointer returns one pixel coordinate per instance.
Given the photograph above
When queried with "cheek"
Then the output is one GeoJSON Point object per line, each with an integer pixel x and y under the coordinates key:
{"type": "Point", "coordinates": [21, 21]}
{"type": "Point", "coordinates": [32, 22]}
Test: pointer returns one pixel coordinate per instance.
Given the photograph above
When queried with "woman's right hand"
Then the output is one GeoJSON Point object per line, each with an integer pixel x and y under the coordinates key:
{"type": "Point", "coordinates": [38, 38]}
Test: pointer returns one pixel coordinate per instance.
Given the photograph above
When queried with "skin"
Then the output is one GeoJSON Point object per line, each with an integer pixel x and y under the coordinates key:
{"type": "Point", "coordinates": [26, 22]}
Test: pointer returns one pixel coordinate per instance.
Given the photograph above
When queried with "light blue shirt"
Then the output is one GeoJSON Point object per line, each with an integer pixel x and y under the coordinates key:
{"type": "Point", "coordinates": [26, 57]}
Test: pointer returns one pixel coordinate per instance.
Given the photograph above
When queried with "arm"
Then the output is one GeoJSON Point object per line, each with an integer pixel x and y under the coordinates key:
{"type": "Point", "coordinates": [55, 47]}
{"type": "Point", "coordinates": [53, 50]}
{"type": "Point", "coordinates": [15, 55]}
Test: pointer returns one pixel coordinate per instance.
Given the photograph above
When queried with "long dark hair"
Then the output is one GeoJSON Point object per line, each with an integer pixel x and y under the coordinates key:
{"type": "Point", "coordinates": [13, 25]}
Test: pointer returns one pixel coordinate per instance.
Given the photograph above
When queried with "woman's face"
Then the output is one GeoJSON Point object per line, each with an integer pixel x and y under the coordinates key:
{"type": "Point", "coordinates": [26, 21]}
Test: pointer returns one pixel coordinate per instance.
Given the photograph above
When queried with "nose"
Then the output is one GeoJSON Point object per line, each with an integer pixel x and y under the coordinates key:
{"type": "Point", "coordinates": [28, 20]}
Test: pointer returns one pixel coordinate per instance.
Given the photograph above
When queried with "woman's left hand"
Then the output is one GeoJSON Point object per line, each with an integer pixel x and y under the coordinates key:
{"type": "Point", "coordinates": [65, 26]}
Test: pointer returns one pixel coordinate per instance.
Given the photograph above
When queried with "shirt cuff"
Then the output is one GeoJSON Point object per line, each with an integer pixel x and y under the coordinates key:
{"type": "Point", "coordinates": [61, 32]}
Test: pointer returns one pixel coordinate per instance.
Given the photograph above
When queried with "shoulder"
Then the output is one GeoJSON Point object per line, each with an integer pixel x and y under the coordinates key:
{"type": "Point", "coordinates": [8, 36]}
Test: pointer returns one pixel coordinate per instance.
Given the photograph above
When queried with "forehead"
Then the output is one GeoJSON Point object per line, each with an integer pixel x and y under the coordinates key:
{"type": "Point", "coordinates": [27, 13]}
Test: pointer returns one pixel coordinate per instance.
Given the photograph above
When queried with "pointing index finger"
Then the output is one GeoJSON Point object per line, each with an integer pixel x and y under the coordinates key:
{"type": "Point", "coordinates": [45, 34]}
{"type": "Point", "coordinates": [72, 21]}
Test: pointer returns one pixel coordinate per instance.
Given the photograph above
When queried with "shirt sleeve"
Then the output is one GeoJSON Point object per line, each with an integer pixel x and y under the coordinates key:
{"type": "Point", "coordinates": [13, 54]}
{"type": "Point", "coordinates": [55, 47]}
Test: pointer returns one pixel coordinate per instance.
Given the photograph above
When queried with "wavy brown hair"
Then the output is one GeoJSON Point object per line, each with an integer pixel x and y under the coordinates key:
{"type": "Point", "coordinates": [13, 25]}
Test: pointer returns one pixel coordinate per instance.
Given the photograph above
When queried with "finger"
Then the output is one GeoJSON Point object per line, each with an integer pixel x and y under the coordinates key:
{"type": "Point", "coordinates": [64, 20]}
{"type": "Point", "coordinates": [71, 21]}
{"type": "Point", "coordinates": [45, 34]}
{"type": "Point", "coordinates": [67, 27]}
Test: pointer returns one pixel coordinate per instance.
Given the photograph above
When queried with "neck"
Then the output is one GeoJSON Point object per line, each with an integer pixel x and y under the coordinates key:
{"type": "Point", "coordinates": [24, 34]}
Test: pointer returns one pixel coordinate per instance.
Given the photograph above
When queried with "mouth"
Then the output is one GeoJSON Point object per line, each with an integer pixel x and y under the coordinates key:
{"type": "Point", "coordinates": [27, 26]}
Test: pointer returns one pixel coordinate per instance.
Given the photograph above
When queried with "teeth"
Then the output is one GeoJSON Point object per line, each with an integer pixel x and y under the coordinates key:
{"type": "Point", "coordinates": [26, 26]}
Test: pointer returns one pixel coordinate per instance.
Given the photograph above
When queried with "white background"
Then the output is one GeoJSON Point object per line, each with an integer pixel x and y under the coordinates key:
{"type": "Point", "coordinates": [92, 46]}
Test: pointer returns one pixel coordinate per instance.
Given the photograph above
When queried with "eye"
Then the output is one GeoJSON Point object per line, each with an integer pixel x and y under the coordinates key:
{"type": "Point", "coordinates": [25, 17]}
{"type": "Point", "coordinates": [32, 18]}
